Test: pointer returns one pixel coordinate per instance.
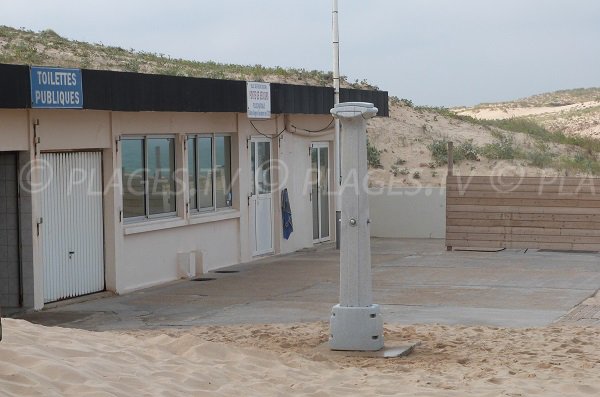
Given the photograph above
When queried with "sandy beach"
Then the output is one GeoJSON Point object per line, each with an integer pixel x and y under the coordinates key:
{"type": "Point", "coordinates": [271, 360]}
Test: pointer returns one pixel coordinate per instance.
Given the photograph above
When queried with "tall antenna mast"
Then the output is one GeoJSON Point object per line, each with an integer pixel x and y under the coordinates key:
{"type": "Point", "coordinates": [336, 100]}
{"type": "Point", "coordinates": [336, 53]}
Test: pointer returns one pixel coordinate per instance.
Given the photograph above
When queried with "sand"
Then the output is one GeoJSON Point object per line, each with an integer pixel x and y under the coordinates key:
{"type": "Point", "coordinates": [581, 118]}
{"type": "Point", "coordinates": [406, 134]}
{"type": "Point", "coordinates": [280, 360]}
{"type": "Point", "coordinates": [500, 112]}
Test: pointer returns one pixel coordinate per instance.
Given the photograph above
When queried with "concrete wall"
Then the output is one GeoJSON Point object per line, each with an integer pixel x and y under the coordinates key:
{"type": "Point", "coordinates": [149, 249]}
{"type": "Point", "coordinates": [146, 253]}
{"type": "Point", "coordinates": [150, 258]}
{"type": "Point", "coordinates": [295, 155]}
{"type": "Point", "coordinates": [292, 154]}
{"type": "Point", "coordinates": [72, 130]}
{"type": "Point", "coordinates": [14, 126]}
{"type": "Point", "coordinates": [408, 212]}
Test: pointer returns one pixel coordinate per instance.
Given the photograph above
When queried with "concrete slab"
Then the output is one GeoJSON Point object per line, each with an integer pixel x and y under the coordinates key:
{"type": "Point", "coordinates": [415, 281]}
{"type": "Point", "coordinates": [470, 316]}
{"type": "Point", "coordinates": [388, 351]}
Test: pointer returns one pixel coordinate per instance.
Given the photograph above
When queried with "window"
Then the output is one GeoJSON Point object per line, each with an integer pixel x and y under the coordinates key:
{"type": "Point", "coordinates": [149, 188]}
{"type": "Point", "coordinates": [209, 167]}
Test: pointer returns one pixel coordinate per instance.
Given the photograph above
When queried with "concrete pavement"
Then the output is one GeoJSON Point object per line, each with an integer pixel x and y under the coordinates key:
{"type": "Point", "coordinates": [415, 281]}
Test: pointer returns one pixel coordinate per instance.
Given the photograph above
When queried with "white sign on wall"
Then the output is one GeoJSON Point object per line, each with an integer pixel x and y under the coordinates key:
{"type": "Point", "coordinates": [259, 100]}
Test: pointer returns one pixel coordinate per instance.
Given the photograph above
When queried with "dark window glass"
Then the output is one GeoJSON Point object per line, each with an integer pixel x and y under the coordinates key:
{"type": "Point", "coordinates": [132, 159]}
{"type": "Point", "coordinates": [192, 172]}
{"type": "Point", "coordinates": [223, 171]}
{"type": "Point", "coordinates": [161, 175]}
{"type": "Point", "coordinates": [205, 174]}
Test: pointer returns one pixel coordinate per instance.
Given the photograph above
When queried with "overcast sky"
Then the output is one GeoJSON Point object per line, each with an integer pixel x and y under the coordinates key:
{"type": "Point", "coordinates": [435, 52]}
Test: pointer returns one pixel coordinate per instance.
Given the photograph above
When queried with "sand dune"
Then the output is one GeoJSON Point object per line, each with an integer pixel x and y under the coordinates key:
{"type": "Point", "coordinates": [506, 112]}
{"type": "Point", "coordinates": [275, 360]}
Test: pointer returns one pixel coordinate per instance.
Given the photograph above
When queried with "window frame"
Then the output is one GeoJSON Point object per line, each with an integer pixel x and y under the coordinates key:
{"type": "Point", "coordinates": [213, 172]}
{"type": "Point", "coordinates": [148, 216]}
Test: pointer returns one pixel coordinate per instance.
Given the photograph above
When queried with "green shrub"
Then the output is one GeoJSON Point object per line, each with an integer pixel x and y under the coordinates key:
{"type": "Point", "coordinates": [27, 53]}
{"type": "Point", "coordinates": [373, 156]}
{"type": "Point", "coordinates": [464, 151]}
{"type": "Point", "coordinates": [541, 159]}
{"type": "Point", "coordinates": [132, 65]}
{"type": "Point", "coordinates": [524, 125]}
{"type": "Point", "coordinates": [581, 163]}
{"type": "Point", "coordinates": [397, 171]}
{"type": "Point", "coordinates": [439, 151]}
{"type": "Point", "coordinates": [503, 149]}
{"type": "Point", "coordinates": [394, 100]}
{"type": "Point", "coordinates": [537, 131]}
{"type": "Point", "coordinates": [467, 151]}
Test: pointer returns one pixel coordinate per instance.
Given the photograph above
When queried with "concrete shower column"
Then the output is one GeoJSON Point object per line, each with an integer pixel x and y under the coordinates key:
{"type": "Point", "coordinates": [356, 322]}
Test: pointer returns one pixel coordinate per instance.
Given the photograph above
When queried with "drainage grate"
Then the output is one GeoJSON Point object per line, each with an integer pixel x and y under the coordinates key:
{"type": "Point", "coordinates": [203, 279]}
{"type": "Point", "coordinates": [226, 271]}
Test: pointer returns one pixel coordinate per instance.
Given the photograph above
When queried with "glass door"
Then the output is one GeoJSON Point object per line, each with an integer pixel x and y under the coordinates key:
{"type": "Point", "coordinates": [320, 191]}
{"type": "Point", "coordinates": [261, 197]}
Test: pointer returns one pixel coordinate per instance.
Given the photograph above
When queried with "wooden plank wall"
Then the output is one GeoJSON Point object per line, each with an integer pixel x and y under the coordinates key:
{"type": "Point", "coordinates": [513, 212]}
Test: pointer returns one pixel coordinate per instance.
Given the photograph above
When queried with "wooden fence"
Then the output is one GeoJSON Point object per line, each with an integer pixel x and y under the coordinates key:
{"type": "Point", "coordinates": [512, 212]}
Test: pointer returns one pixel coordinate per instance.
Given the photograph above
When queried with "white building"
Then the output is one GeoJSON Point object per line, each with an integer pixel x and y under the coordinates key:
{"type": "Point", "coordinates": [119, 181]}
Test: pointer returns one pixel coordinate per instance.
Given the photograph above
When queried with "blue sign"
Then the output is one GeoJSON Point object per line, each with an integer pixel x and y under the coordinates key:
{"type": "Point", "coordinates": [56, 88]}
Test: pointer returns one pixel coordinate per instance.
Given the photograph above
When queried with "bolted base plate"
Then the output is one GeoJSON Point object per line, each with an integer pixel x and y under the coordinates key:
{"type": "Point", "coordinates": [356, 328]}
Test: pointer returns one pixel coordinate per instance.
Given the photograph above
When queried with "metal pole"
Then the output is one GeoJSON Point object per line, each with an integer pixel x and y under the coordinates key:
{"type": "Point", "coordinates": [336, 141]}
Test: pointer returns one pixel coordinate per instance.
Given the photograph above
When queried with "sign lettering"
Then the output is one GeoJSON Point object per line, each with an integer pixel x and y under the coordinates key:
{"type": "Point", "coordinates": [259, 100]}
{"type": "Point", "coordinates": [56, 88]}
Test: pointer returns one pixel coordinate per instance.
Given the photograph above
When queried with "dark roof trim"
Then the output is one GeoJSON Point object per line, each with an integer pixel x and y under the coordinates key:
{"type": "Point", "coordinates": [378, 98]}
{"type": "Point", "coordinates": [135, 92]}
{"type": "Point", "coordinates": [15, 88]}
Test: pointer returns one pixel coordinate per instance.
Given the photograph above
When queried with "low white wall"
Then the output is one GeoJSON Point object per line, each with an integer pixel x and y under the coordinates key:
{"type": "Point", "coordinates": [151, 258]}
{"type": "Point", "coordinates": [294, 154]}
{"type": "Point", "coordinates": [408, 212]}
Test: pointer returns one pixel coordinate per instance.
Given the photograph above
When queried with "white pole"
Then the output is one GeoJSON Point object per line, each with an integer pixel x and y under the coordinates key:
{"type": "Point", "coordinates": [356, 323]}
{"type": "Point", "coordinates": [336, 54]}
{"type": "Point", "coordinates": [336, 100]}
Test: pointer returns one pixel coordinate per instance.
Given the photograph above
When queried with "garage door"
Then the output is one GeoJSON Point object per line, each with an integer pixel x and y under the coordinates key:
{"type": "Point", "coordinates": [9, 233]}
{"type": "Point", "coordinates": [73, 242]}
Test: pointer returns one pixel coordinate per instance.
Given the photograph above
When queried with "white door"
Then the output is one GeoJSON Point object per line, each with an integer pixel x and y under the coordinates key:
{"type": "Point", "coordinates": [72, 225]}
{"type": "Point", "coordinates": [320, 191]}
{"type": "Point", "coordinates": [261, 197]}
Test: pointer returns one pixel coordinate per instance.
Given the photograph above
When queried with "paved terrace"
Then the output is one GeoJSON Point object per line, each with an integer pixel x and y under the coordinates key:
{"type": "Point", "coordinates": [415, 281]}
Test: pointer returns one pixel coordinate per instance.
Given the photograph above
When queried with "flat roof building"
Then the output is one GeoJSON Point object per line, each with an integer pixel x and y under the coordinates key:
{"type": "Point", "coordinates": [118, 181]}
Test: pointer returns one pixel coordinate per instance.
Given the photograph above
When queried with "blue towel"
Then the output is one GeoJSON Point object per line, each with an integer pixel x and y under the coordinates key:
{"type": "Point", "coordinates": [286, 214]}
